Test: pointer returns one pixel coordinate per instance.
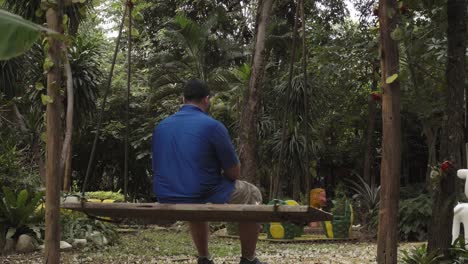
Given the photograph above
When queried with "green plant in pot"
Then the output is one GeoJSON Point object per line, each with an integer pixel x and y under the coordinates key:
{"type": "Point", "coordinates": [340, 226]}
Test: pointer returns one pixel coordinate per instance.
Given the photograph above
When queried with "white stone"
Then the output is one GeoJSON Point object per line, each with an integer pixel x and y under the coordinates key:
{"type": "Point", "coordinates": [26, 244]}
{"type": "Point", "coordinates": [64, 246]}
{"type": "Point", "coordinates": [104, 240]}
{"type": "Point", "coordinates": [79, 243]}
{"type": "Point", "coordinates": [97, 238]}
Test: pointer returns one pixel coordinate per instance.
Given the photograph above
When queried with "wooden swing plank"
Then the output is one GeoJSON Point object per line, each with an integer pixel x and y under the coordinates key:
{"type": "Point", "coordinates": [202, 212]}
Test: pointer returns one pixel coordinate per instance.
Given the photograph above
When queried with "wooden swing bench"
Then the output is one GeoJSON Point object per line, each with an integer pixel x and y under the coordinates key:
{"type": "Point", "coordinates": [155, 212]}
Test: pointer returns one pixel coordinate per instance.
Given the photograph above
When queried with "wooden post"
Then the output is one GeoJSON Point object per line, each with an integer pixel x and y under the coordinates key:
{"type": "Point", "coordinates": [54, 136]}
{"type": "Point", "coordinates": [391, 142]}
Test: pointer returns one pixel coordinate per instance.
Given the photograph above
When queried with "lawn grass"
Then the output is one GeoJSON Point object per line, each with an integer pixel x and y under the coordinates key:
{"type": "Point", "coordinates": [160, 246]}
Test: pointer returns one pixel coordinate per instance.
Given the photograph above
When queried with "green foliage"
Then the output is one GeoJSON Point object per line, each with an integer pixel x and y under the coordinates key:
{"type": "Point", "coordinates": [78, 226]}
{"type": "Point", "coordinates": [414, 216]}
{"type": "Point", "coordinates": [412, 191]}
{"type": "Point", "coordinates": [85, 56]}
{"type": "Point", "coordinates": [18, 211]}
{"type": "Point", "coordinates": [18, 35]}
{"type": "Point", "coordinates": [458, 254]}
{"type": "Point", "coordinates": [340, 201]}
{"type": "Point", "coordinates": [419, 256]}
{"type": "Point", "coordinates": [103, 195]}
{"type": "Point", "coordinates": [369, 195]}
{"type": "Point", "coordinates": [15, 171]}
{"type": "Point", "coordinates": [366, 197]}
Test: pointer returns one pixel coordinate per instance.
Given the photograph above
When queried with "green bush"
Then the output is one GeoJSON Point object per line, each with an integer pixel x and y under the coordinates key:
{"type": "Point", "coordinates": [15, 171]}
{"type": "Point", "coordinates": [103, 195]}
{"type": "Point", "coordinates": [419, 256]}
{"type": "Point", "coordinates": [414, 216]}
{"type": "Point", "coordinates": [412, 190]}
{"type": "Point", "coordinates": [340, 200]}
{"type": "Point", "coordinates": [77, 226]}
{"type": "Point", "coordinates": [19, 214]}
{"type": "Point", "coordinates": [458, 254]}
{"type": "Point", "coordinates": [366, 199]}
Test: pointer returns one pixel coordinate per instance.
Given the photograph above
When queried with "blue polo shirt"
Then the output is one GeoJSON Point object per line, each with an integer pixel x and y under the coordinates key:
{"type": "Point", "coordinates": [190, 149]}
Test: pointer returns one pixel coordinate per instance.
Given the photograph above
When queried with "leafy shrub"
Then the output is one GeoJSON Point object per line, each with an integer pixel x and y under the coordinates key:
{"type": "Point", "coordinates": [77, 225]}
{"type": "Point", "coordinates": [419, 256]}
{"type": "Point", "coordinates": [339, 200]}
{"type": "Point", "coordinates": [412, 190]}
{"type": "Point", "coordinates": [458, 254]}
{"type": "Point", "coordinates": [414, 216]}
{"type": "Point", "coordinates": [102, 195]}
{"type": "Point", "coordinates": [18, 212]}
{"type": "Point", "coordinates": [14, 171]}
{"type": "Point", "coordinates": [366, 199]}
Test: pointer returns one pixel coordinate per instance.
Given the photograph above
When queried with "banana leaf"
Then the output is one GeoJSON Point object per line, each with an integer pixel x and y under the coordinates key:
{"type": "Point", "coordinates": [18, 34]}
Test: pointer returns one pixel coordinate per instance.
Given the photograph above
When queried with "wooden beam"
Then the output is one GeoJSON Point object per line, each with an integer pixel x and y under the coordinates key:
{"type": "Point", "coordinates": [202, 212]}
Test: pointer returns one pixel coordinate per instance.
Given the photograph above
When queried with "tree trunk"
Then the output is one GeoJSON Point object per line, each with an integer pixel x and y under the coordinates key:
{"type": "Point", "coordinates": [369, 154]}
{"type": "Point", "coordinates": [391, 141]}
{"type": "Point", "coordinates": [2, 237]}
{"type": "Point", "coordinates": [431, 139]}
{"type": "Point", "coordinates": [307, 174]}
{"type": "Point", "coordinates": [67, 180]}
{"type": "Point", "coordinates": [248, 127]}
{"type": "Point", "coordinates": [65, 166]}
{"type": "Point", "coordinates": [39, 158]}
{"type": "Point", "coordinates": [452, 133]}
{"type": "Point", "coordinates": [52, 234]}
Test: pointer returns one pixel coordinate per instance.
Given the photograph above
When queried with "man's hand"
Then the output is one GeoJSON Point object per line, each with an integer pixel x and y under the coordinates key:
{"type": "Point", "coordinates": [232, 173]}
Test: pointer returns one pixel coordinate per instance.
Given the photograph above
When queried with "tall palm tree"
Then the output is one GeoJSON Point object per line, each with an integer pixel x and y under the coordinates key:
{"type": "Point", "coordinates": [189, 49]}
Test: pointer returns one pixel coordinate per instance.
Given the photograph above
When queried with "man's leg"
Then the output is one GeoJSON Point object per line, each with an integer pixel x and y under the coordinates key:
{"type": "Point", "coordinates": [200, 232]}
{"type": "Point", "coordinates": [247, 193]}
{"type": "Point", "coordinates": [248, 233]}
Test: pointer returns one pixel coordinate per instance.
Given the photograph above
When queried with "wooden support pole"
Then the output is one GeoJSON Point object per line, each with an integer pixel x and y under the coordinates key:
{"type": "Point", "coordinates": [54, 136]}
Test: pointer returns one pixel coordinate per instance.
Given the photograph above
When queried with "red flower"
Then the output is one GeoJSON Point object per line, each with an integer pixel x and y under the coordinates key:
{"type": "Point", "coordinates": [445, 165]}
{"type": "Point", "coordinates": [376, 97]}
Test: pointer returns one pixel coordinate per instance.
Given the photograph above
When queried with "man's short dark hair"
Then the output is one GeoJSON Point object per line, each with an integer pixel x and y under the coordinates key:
{"type": "Point", "coordinates": [195, 90]}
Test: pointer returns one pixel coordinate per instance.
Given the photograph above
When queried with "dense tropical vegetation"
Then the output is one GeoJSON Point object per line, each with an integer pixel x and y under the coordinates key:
{"type": "Point", "coordinates": [318, 119]}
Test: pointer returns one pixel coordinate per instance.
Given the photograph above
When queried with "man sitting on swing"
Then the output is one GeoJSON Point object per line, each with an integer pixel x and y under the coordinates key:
{"type": "Point", "coordinates": [194, 161]}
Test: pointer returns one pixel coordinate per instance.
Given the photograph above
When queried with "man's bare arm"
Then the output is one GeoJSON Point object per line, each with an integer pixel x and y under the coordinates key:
{"type": "Point", "coordinates": [233, 173]}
